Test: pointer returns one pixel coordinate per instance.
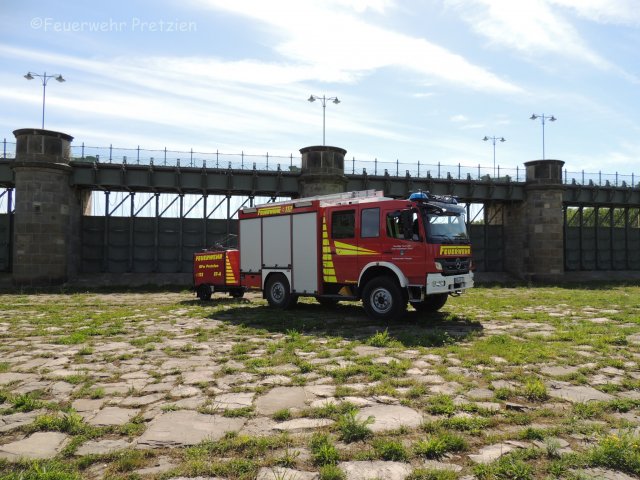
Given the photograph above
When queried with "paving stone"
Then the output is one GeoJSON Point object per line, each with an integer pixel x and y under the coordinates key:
{"type": "Point", "coordinates": [160, 465]}
{"type": "Point", "coordinates": [363, 470]}
{"type": "Point", "coordinates": [367, 350]}
{"type": "Point", "coordinates": [303, 424]}
{"type": "Point", "coordinates": [17, 420]}
{"type": "Point", "coordinates": [40, 445]}
{"type": "Point", "coordinates": [479, 394]}
{"type": "Point", "coordinates": [603, 474]}
{"type": "Point", "coordinates": [558, 371]}
{"type": "Point", "coordinates": [114, 388]}
{"type": "Point", "coordinates": [321, 390]}
{"type": "Point", "coordinates": [10, 377]}
{"type": "Point", "coordinates": [435, 465]}
{"type": "Point", "coordinates": [281, 398]}
{"type": "Point", "coordinates": [141, 401]}
{"type": "Point", "coordinates": [282, 473]}
{"type": "Point", "coordinates": [577, 393]}
{"type": "Point", "coordinates": [390, 417]}
{"type": "Point", "coordinates": [492, 452]}
{"type": "Point", "coordinates": [190, 403]}
{"type": "Point", "coordinates": [87, 405]}
{"type": "Point", "coordinates": [29, 387]}
{"type": "Point", "coordinates": [157, 387]}
{"type": "Point", "coordinates": [275, 380]}
{"type": "Point", "coordinates": [228, 401]}
{"type": "Point", "coordinates": [175, 429]}
{"type": "Point", "coordinates": [113, 416]}
{"type": "Point", "coordinates": [101, 447]}
{"type": "Point", "coordinates": [259, 426]}
{"type": "Point", "coordinates": [449, 388]}
{"type": "Point", "coordinates": [199, 377]}
{"type": "Point", "coordinates": [185, 391]}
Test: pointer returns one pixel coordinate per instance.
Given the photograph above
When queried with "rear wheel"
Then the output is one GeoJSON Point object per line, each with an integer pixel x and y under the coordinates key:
{"type": "Point", "coordinates": [204, 292]}
{"type": "Point", "coordinates": [278, 293]}
{"type": "Point", "coordinates": [238, 293]}
{"type": "Point", "coordinates": [382, 299]}
{"type": "Point", "coordinates": [432, 303]}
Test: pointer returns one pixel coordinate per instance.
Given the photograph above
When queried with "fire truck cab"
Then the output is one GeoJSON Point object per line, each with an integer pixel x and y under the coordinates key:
{"type": "Point", "coordinates": [357, 246]}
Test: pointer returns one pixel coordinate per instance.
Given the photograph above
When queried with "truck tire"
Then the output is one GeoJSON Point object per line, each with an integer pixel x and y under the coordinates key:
{"type": "Point", "coordinates": [204, 292]}
{"type": "Point", "coordinates": [237, 293]}
{"type": "Point", "coordinates": [432, 303]}
{"type": "Point", "coordinates": [382, 299]}
{"type": "Point", "coordinates": [278, 293]}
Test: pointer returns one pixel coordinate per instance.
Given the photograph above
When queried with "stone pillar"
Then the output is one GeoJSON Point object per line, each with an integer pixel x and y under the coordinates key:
{"type": "Point", "coordinates": [534, 229]}
{"type": "Point", "coordinates": [46, 247]}
{"type": "Point", "coordinates": [322, 171]}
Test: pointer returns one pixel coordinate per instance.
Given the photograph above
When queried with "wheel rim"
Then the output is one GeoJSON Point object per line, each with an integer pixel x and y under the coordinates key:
{"type": "Point", "coordinates": [381, 300]}
{"type": "Point", "coordinates": [277, 292]}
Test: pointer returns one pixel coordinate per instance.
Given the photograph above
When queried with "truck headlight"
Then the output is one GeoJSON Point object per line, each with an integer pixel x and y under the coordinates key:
{"type": "Point", "coordinates": [438, 266]}
{"type": "Point", "coordinates": [439, 283]}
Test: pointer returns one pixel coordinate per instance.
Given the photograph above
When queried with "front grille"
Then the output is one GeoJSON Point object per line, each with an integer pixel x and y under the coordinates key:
{"type": "Point", "coordinates": [454, 266]}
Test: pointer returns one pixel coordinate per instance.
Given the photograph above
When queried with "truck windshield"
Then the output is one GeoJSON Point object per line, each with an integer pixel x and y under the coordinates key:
{"type": "Point", "coordinates": [446, 227]}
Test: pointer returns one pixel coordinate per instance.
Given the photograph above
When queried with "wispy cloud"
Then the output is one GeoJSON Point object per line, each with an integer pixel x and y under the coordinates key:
{"type": "Point", "coordinates": [531, 27]}
{"type": "Point", "coordinates": [619, 12]}
{"type": "Point", "coordinates": [341, 47]}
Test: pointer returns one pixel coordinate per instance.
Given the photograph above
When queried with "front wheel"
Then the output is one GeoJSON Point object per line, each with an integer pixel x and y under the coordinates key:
{"type": "Point", "coordinates": [432, 303]}
{"type": "Point", "coordinates": [383, 300]}
{"type": "Point", "coordinates": [204, 292]}
{"type": "Point", "coordinates": [237, 293]}
{"type": "Point", "coordinates": [278, 293]}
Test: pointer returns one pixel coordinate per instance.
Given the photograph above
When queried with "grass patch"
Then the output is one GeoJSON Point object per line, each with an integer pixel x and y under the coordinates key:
{"type": "Point", "coordinates": [353, 429]}
{"type": "Point", "coordinates": [436, 446]}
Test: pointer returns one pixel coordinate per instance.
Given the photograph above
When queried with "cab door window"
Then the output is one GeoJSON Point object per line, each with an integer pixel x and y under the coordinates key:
{"type": "Point", "coordinates": [370, 223]}
{"type": "Point", "coordinates": [403, 225]}
{"type": "Point", "coordinates": [343, 224]}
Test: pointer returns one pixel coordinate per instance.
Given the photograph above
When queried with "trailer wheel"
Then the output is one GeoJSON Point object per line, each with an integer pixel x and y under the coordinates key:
{"type": "Point", "coordinates": [204, 292]}
{"type": "Point", "coordinates": [239, 293]}
{"type": "Point", "coordinates": [383, 300]}
{"type": "Point", "coordinates": [278, 293]}
{"type": "Point", "coordinates": [432, 303]}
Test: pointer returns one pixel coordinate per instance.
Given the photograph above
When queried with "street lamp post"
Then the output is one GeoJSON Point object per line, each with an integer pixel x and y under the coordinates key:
{"type": "Point", "coordinates": [323, 100]}
{"type": "Point", "coordinates": [494, 140]}
{"type": "Point", "coordinates": [44, 78]}
{"type": "Point", "coordinates": [542, 118]}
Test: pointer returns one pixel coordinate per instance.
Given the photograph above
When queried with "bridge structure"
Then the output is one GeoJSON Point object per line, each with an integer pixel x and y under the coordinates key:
{"type": "Point", "coordinates": [539, 226]}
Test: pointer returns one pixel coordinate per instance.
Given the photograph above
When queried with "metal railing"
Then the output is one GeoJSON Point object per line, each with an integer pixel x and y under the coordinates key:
{"type": "Point", "coordinates": [247, 161]}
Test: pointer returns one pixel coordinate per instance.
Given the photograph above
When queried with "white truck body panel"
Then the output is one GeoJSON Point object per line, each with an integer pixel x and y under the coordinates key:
{"type": "Point", "coordinates": [251, 253]}
{"type": "Point", "coordinates": [305, 252]}
{"type": "Point", "coordinates": [276, 242]}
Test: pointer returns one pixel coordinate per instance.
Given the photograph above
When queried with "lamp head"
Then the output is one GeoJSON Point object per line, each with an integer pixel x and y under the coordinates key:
{"type": "Point", "coordinates": [311, 98]}
{"type": "Point", "coordinates": [336, 101]}
{"type": "Point", "coordinates": [28, 76]}
{"type": "Point", "coordinates": [502, 139]}
{"type": "Point", "coordinates": [533, 116]}
{"type": "Point", "coordinates": [59, 78]}
{"type": "Point", "coordinates": [552, 119]}
{"type": "Point", "coordinates": [485, 138]}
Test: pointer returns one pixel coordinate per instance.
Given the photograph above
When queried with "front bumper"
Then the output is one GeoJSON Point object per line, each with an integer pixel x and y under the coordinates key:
{"type": "Point", "coordinates": [438, 283]}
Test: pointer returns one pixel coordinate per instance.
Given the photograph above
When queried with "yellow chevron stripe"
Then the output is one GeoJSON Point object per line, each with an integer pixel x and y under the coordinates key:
{"type": "Point", "coordinates": [328, 270]}
{"type": "Point", "coordinates": [231, 278]}
{"type": "Point", "coordinates": [348, 249]}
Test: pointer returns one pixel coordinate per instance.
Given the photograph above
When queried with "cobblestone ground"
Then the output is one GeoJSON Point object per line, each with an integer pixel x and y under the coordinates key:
{"type": "Point", "coordinates": [159, 385]}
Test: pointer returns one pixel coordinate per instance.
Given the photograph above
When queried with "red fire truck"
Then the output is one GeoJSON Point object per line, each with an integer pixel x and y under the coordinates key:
{"type": "Point", "coordinates": [352, 246]}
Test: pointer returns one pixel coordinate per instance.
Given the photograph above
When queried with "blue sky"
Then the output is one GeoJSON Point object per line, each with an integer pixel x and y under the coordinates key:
{"type": "Point", "coordinates": [418, 80]}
